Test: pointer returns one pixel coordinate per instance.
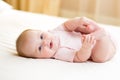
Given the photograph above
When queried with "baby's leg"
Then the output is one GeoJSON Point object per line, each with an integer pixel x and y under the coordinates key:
{"type": "Point", "coordinates": [103, 50]}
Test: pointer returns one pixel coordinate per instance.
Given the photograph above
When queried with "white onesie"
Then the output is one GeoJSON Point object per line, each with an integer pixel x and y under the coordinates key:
{"type": "Point", "coordinates": [70, 42]}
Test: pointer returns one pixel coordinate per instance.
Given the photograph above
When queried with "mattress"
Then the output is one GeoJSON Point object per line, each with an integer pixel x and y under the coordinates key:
{"type": "Point", "coordinates": [14, 67]}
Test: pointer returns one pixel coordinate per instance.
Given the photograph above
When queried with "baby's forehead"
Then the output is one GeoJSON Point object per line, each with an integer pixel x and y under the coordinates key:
{"type": "Point", "coordinates": [31, 35]}
{"type": "Point", "coordinates": [30, 32]}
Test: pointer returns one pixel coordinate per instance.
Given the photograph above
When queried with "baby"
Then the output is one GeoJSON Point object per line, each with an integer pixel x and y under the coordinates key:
{"type": "Point", "coordinates": [76, 40]}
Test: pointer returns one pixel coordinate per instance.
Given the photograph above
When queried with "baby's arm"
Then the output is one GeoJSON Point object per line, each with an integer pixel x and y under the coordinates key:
{"type": "Point", "coordinates": [85, 52]}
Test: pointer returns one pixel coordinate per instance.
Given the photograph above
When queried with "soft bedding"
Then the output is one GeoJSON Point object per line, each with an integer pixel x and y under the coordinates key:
{"type": "Point", "coordinates": [14, 67]}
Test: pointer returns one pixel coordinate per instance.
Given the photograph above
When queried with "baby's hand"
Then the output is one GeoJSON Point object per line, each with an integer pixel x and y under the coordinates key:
{"type": "Point", "coordinates": [88, 42]}
{"type": "Point", "coordinates": [85, 51]}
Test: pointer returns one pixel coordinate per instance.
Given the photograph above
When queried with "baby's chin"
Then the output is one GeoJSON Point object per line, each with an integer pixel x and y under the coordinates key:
{"type": "Point", "coordinates": [56, 44]}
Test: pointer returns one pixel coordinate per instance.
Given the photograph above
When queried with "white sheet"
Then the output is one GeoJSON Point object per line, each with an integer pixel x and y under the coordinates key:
{"type": "Point", "coordinates": [13, 67]}
{"type": "Point", "coordinates": [4, 6]}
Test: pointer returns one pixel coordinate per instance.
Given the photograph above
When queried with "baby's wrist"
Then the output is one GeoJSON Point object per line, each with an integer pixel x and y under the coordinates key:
{"type": "Point", "coordinates": [86, 50]}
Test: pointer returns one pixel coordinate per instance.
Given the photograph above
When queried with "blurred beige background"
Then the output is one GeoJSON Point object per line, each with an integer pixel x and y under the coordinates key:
{"type": "Point", "coordinates": [103, 11]}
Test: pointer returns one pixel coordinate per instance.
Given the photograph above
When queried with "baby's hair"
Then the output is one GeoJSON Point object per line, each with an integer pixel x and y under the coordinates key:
{"type": "Point", "coordinates": [19, 43]}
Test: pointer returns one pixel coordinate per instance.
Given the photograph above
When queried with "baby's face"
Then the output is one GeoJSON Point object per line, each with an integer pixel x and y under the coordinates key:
{"type": "Point", "coordinates": [39, 44]}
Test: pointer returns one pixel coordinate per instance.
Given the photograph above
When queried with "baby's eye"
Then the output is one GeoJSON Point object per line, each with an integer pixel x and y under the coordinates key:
{"type": "Point", "coordinates": [40, 47]}
{"type": "Point", "coordinates": [41, 37]}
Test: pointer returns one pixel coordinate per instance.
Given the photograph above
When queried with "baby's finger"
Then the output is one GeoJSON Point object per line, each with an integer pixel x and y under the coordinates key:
{"type": "Point", "coordinates": [93, 41]}
{"type": "Point", "coordinates": [83, 38]}
{"type": "Point", "coordinates": [88, 37]}
{"type": "Point", "coordinates": [92, 38]}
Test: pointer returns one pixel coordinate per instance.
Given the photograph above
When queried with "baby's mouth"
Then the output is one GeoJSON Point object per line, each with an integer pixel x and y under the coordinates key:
{"type": "Point", "coordinates": [51, 44]}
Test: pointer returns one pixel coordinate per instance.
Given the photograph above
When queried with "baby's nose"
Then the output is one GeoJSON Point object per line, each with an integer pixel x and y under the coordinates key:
{"type": "Point", "coordinates": [45, 43]}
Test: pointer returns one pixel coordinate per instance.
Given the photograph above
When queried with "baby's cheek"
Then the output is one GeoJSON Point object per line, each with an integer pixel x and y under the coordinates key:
{"type": "Point", "coordinates": [46, 52]}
